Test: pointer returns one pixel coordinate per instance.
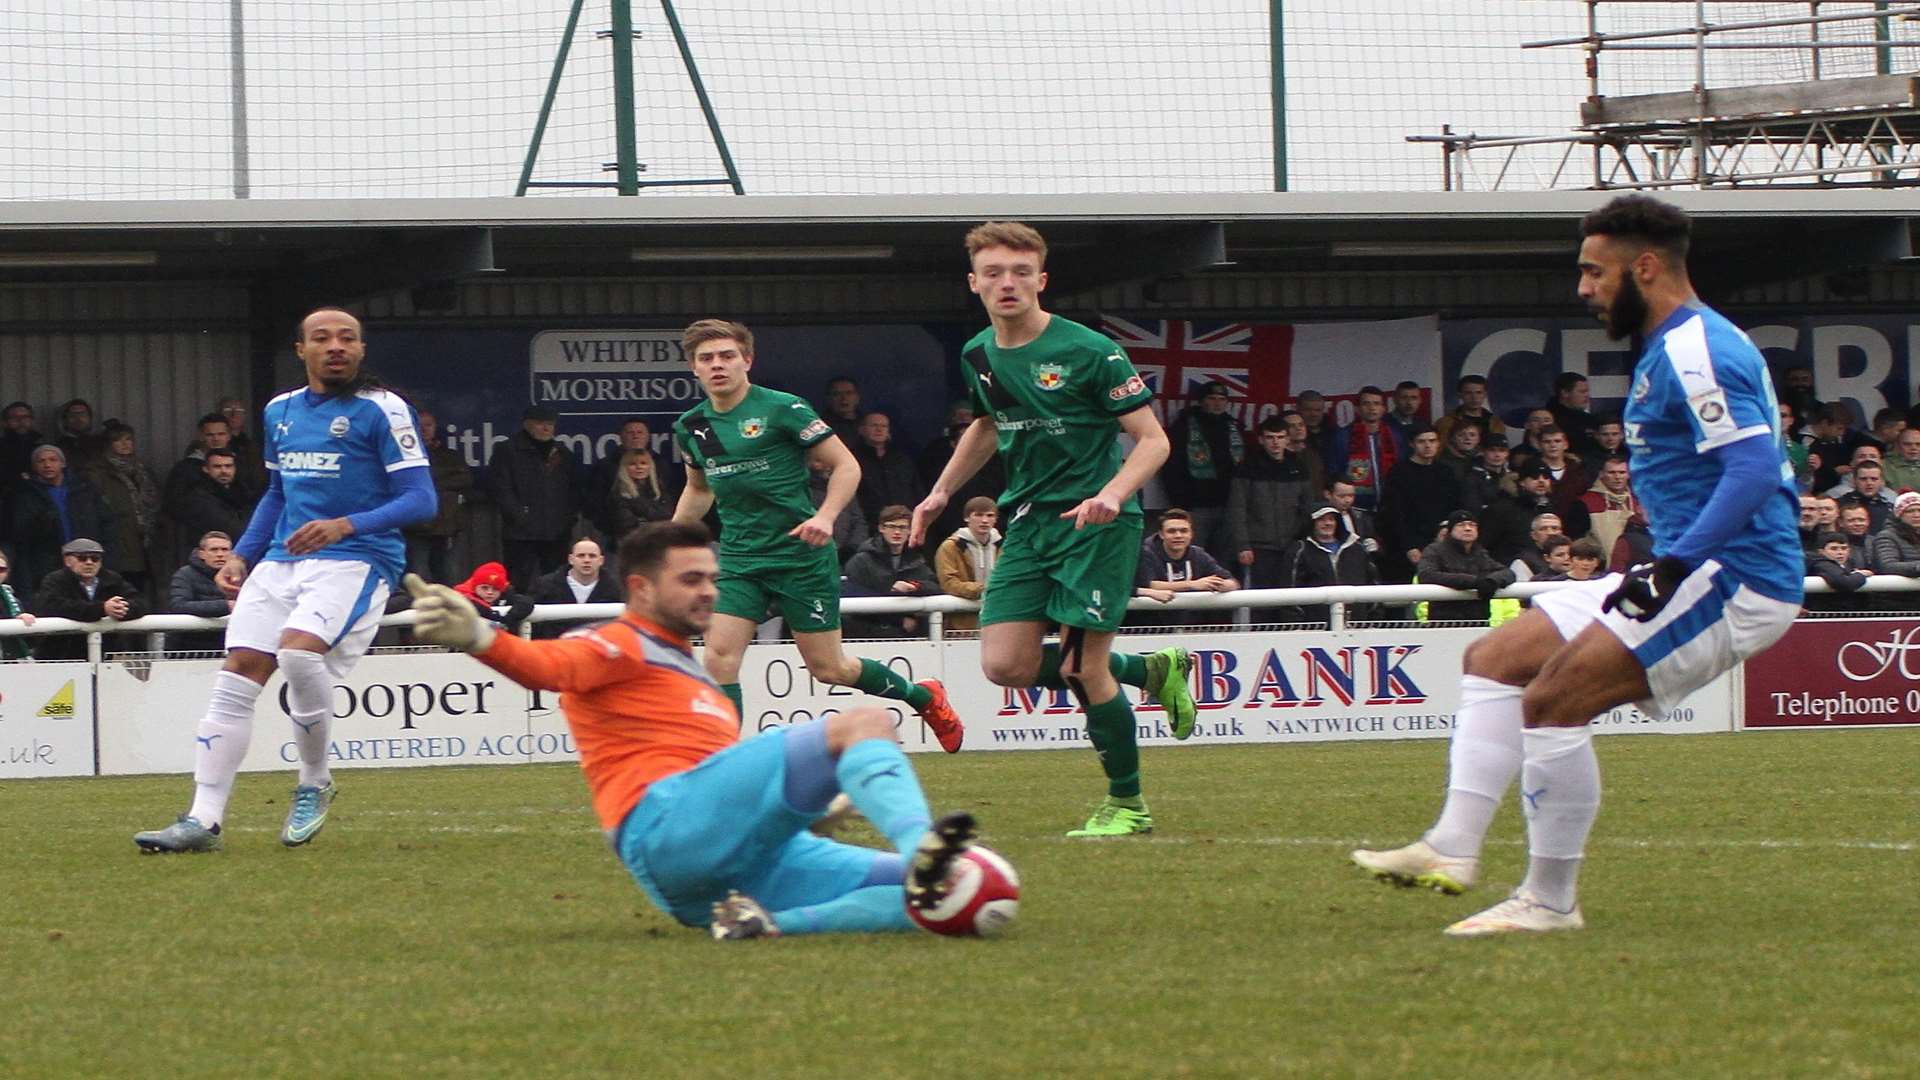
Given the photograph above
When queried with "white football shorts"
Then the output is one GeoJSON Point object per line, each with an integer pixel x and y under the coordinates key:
{"type": "Point", "coordinates": [1712, 623]}
{"type": "Point", "coordinates": [339, 601]}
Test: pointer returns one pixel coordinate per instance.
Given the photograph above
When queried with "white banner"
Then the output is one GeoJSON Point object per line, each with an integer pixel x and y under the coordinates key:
{"type": "Point", "coordinates": [1302, 686]}
{"type": "Point", "coordinates": [445, 709]}
{"type": "Point", "coordinates": [46, 720]}
{"type": "Point", "coordinates": [393, 710]}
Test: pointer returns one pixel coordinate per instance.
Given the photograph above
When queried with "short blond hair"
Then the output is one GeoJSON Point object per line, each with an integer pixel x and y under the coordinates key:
{"type": "Point", "coordinates": [715, 330]}
{"type": "Point", "coordinates": [1015, 235]}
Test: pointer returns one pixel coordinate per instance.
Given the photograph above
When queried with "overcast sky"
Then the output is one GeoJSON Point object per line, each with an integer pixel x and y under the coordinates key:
{"type": "Point", "coordinates": [369, 98]}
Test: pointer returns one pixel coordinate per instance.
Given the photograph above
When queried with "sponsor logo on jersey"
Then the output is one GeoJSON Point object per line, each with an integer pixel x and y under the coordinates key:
{"type": "Point", "coordinates": [752, 465]}
{"type": "Point", "coordinates": [818, 427]}
{"type": "Point", "coordinates": [1050, 376]}
{"type": "Point", "coordinates": [1710, 406]}
{"type": "Point", "coordinates": [340, 426]}
{"type": "Point", "coordinates": [753, 427]}
{"type": "Point", "coordinates": [310, 460]}
{"type": "Point", "coordinates": [711, 708]}
{"type": "Point", "coordinates": [1134, 385]}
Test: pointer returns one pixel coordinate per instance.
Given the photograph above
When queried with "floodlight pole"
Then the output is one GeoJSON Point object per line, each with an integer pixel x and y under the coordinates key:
{"type": "Point", "coordinates": [626, 144]}
{"type": "Point", "coordinates": [237, 95]}
{"type": "Point", "coordinates": [1277, 50]}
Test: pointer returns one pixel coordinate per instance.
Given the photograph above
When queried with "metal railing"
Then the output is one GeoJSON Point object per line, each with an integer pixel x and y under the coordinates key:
{"type": "Point", "coordinates": [1335, 598]}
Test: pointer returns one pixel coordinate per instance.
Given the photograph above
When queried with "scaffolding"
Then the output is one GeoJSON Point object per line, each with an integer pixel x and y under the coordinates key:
{"type": "Point", "coordinates": [1828, 130]}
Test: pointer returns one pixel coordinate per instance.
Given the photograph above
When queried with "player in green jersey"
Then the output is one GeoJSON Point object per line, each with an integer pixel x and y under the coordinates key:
{"type": "Point", "coordinates": [747, 449]}
{"type": "Point", "coordinates": [1053, 395]}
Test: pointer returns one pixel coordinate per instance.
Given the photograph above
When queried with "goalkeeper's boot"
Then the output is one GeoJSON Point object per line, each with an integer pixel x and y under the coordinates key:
{"type": "Point", "coordinates": [1521, 913]}
{"type": "Point", "coordinates": [940, 717]}
{"type": "Point", "coordinates": [740, 917]}
{"type": "Point", "coordinates": [1419, 866]}
{"type": "Point", "coordinates": [927, 872]}
{"type": "Point", "coordinates": [1114, 819]}
{"type": "Point", "coordinates": [1167, 672]}
{"type": "Point", "coordinates": [184, 835]}
{"type": "Point", "coordinates": [307, 814]}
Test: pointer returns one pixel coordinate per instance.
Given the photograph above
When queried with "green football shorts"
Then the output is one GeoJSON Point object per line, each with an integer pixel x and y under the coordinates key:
{"type": "Point", "coordinates": [804, 592]}
{"type": "Point", "coordinates": [1050, 572]}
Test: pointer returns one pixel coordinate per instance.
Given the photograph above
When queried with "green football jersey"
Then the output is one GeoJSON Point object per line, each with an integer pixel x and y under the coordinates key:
{"type": "Point", "coordinates": [754, 457]}
{"type": "Point", "coordinates": [1055, 403]}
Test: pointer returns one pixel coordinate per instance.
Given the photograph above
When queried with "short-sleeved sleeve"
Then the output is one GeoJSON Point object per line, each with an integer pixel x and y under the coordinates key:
{"type": "Point", "coordinates": [807, 427]}
{"type": "Point", "coordinates": [396, 435]}
{"type": "Point", "coordinates": [1119, 386]}
{"type": "Point", "coordinates": [1722, 383]}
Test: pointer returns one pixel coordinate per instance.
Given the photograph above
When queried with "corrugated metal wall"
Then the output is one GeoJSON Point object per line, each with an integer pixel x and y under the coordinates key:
{"type": "Point", "coordinates": [156, 357]}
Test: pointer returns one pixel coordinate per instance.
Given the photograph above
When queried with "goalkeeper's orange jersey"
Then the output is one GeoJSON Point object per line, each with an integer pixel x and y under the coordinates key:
{"type": "Point", "coordinates": [640, 706]}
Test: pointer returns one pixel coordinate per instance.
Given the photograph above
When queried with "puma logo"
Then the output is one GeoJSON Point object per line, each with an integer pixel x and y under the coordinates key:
{"type": "Point", "coordinates": [207, 740]}
{"type": "Point", "coordinates": [1532, 797]}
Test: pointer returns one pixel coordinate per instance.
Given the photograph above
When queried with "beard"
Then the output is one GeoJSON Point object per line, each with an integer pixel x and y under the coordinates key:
{"type": "Point", "coordinates": [1628, 313]}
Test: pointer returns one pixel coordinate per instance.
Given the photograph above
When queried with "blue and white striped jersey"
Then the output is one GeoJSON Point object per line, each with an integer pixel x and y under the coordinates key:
{"type": "Point", "coordinates": [1700, 384]}
{"type": "Point", "coordinates": [334, 456]}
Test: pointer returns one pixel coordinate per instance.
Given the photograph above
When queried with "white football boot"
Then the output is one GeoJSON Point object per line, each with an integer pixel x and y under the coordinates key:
{"type": "Point", "coordinates": [1520, 913]}
{"type": "Point", "coordinates": [1418, 865]}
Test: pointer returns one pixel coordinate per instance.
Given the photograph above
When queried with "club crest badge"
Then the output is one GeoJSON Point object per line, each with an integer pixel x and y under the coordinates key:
{"type": "Point", "coordinates": [753, 428]}
{"type": "Point", "coordinates": [1049, 376]}
{"type": "Point", "coordinates": [339, 427]}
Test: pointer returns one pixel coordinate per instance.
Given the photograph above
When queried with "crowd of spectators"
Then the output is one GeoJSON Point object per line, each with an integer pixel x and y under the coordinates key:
{"type": "Point", "coordinates": [88, 526]}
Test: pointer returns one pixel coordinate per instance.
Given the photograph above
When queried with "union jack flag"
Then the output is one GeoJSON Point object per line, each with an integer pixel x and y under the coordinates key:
{"type": "Point", "coordinates": [1177, 357]}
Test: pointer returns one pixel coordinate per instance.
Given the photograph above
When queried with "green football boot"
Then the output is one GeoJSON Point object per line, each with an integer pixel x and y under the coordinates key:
{"type": "Point", "coordinates": [1167, 672]}
{"type": "Point", "coordinates": [1112, 819]}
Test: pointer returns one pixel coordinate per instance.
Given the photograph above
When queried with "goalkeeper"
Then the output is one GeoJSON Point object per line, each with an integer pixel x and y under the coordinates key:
{"type": "Point", "coordinates": [716, 830]}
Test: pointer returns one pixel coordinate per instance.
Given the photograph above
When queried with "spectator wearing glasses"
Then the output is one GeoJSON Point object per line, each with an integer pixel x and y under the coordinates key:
{"type": "Point", "coordinates": [251, 467]}
{"type": "Point", "coordinates": [12, 648]}
{"type": "Point", "coordinates": [886, 566]}
{"type": "Point", "coordinates": [85, 592]}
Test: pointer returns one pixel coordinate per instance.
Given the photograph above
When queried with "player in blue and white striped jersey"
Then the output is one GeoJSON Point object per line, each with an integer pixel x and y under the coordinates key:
{"type": "Point", "coordinates": [1702, 428]}
{"type": "Point", "coordinates": [347, 473]}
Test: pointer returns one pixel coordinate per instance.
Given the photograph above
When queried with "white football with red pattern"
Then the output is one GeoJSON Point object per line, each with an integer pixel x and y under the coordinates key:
{"type": "Point", "coordinates": [983, 897]}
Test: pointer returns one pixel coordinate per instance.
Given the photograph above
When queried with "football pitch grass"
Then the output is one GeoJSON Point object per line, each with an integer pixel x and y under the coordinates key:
{"type": "Point", "coordinates": [1750, 906]}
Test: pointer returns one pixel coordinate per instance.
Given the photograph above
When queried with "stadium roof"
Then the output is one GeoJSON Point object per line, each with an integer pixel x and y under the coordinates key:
{"type": "Point", "coordinates": [360, 246]}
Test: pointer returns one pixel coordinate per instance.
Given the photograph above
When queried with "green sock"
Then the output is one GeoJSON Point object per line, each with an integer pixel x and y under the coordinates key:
{"type": "Point", "coordinates": [1110, 727]}
{"type": "Point", "coordinates": [882, 681]}
{"type": "Point", "coordinates": [1129, 668]}
{"type": "Point", "coordinates": [732, 690]}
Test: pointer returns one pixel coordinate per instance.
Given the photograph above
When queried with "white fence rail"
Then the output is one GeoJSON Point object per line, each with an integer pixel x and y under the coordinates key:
{"type": "Point", "coordinates": [1336, 597]}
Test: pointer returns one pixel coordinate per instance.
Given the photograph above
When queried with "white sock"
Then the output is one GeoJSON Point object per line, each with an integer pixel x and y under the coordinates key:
{"type": "Point", "coordinates": [310, 707]}
{"type": "Point", "coordinates": [1561, 787]}
{"type": "Point", "coordinates": [220, 744]}
{"type": "Point", "coordinates": [1483, 759]}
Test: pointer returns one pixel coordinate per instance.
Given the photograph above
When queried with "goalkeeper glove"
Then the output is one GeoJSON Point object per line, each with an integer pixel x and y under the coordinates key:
{"type": "Point", "coordinates": [444, 617]}
{"type": "Point", "coordinates": [1647, 588]}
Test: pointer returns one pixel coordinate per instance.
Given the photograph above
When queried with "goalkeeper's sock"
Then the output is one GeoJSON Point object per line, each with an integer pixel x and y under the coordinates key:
{"type": "Point", "coordinates": [1110, 727]}
{"type": "Point", "coordinates": [1483, 759]}
{"type": "Point", "coordinates": [1129, 669]}
{"type": "Point", "coordinates": [220, 744]}
{"type": "Point", "coordinates": [876, 776]}
{"type": "Point", "coordinates": [882, 681]}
